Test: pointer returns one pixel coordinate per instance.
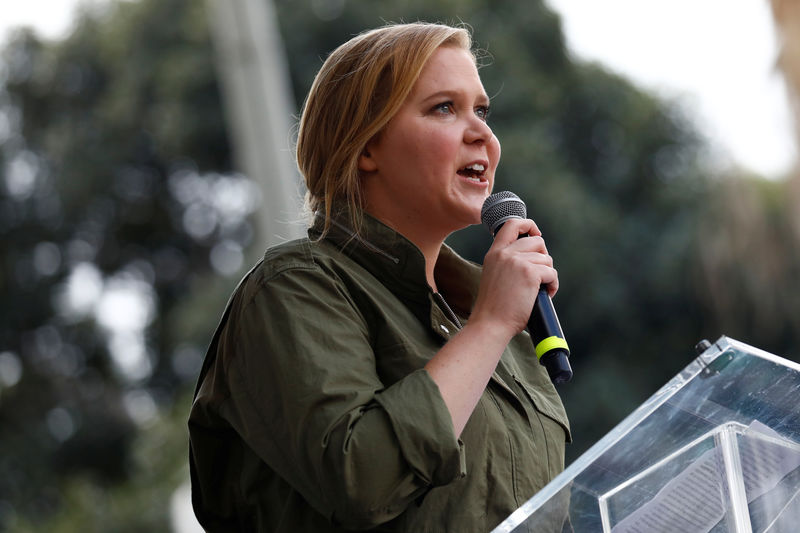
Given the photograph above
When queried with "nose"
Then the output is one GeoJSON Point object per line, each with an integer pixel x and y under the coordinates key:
{"type": "Point", "coordinates": [477, 131]}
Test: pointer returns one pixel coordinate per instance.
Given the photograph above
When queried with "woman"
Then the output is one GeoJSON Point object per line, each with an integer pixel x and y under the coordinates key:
{"type": "Point", "coordinates": [367, 377]}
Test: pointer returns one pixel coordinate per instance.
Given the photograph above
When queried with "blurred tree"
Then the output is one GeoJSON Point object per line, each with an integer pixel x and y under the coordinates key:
{"type": "Point", "coordinates": [786, 14]}
{"type": "Point", "coordinates": [144, 502]}
{"type": "Point", "coordinates": [119, 209]}
{"type": "Point", "coordinates": [123, 230]}
{"type": "Point", "coordinates": [787, 19]}
{"type": "Point", "coordinates": [751, 261]}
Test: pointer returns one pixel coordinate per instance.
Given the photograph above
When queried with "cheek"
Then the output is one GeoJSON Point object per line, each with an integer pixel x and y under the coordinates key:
{"type": "Point", "coordinates": [494, 151]}
{"type": "Point", "coordinates": [436, 149]}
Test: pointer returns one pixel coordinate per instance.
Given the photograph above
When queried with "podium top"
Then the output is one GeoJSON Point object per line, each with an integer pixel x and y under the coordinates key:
{"type": "Point", "coordinates": [730, 399]}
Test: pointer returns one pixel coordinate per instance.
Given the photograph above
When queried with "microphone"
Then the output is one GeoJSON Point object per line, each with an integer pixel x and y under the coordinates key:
{"type": "Point", "coordinates": [548, 339]}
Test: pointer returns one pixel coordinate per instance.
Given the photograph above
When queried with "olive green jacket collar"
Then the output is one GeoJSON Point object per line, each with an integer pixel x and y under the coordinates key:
{"type": "Point", "coordinates": [391, 257]}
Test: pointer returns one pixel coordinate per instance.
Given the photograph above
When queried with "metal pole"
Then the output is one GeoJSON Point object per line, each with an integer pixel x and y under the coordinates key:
{"type": "Point", "coordinates": [251, 62]}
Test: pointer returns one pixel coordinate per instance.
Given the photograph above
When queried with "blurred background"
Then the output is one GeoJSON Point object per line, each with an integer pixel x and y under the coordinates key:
{"type": "Point", "coordinates": [145, 163]}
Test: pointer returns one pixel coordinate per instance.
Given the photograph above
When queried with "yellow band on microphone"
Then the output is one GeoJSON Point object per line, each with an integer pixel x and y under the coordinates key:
{"type": "Point", "coordinates": [548, 344]}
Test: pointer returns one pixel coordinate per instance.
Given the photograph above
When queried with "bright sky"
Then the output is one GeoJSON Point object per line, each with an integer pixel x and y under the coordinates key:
{"type": "Point", "coordinates": [717, 55]}
{"type": "Point", "coordinates": [51, 18]}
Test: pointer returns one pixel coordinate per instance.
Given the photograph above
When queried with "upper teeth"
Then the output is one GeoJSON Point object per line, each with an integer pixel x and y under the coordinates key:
{"type": "Point", "coordinates": [477, 167]}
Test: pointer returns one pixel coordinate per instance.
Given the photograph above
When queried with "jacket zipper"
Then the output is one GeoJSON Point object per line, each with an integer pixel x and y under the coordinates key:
{"type": "Point", "coordinates": [447, 311]}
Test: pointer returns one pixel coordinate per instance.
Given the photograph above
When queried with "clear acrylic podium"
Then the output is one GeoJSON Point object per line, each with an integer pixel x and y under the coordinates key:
{"type": "Point", "coordinates": [717, 449]}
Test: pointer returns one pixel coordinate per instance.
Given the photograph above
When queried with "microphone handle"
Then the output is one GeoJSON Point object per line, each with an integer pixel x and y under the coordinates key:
{"type": "Point", "coordinates": [545, 331]}
{"type": "Point", "coordinates": [548, 339]}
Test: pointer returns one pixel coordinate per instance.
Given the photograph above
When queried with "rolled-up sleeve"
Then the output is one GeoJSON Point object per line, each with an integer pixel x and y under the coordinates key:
{"type": "Point", "coordinates": [306, 397]}
{"type": "Point", "coordinates": [417, 413]}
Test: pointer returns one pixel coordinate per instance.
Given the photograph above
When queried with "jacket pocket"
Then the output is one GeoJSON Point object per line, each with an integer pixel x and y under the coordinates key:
{"type": "Point", "coordinates": [548, 403]}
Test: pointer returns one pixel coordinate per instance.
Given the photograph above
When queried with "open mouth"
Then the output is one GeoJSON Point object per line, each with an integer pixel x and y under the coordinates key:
{"type": "Point", "coordinates": [474, 172]}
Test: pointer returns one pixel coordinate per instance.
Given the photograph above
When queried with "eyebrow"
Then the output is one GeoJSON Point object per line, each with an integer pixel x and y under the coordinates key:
{"type": "Point", "coordinates": [453, 94]}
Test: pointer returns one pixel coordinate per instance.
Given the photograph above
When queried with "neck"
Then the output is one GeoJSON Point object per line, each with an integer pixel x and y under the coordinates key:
{"type": "Point", "coordinates": [431, 256]}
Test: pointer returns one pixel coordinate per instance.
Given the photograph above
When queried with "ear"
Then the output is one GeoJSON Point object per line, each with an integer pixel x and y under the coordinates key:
{"type": "Point", "coordinates": [366, 163]}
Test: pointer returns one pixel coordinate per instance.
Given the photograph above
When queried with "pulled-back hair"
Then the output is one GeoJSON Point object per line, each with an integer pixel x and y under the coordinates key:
{"type": "Point", "coordinates": [359, 88]}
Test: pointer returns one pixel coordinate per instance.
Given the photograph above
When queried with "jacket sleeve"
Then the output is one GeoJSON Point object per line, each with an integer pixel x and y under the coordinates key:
{"type": "Point", "coordinates": [306, 398]}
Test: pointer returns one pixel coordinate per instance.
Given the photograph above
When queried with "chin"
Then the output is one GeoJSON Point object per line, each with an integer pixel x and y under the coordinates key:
{"type": "Point", "coordinates": [469, 216]}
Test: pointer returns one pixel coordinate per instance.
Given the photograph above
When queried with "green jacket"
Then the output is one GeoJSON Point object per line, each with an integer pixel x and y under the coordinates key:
{"type": "Point", "coordinates": [313, 412]}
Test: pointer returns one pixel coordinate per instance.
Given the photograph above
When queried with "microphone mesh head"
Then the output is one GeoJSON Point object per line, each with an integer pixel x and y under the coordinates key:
{"type": "Point", "coordinates": [500, 207]}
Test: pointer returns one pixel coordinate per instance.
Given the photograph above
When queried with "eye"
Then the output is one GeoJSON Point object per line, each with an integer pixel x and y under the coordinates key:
{"type": "Point", "coordinates": [445, 108]}
{"type": "Point", "coordinates": [482, 112]}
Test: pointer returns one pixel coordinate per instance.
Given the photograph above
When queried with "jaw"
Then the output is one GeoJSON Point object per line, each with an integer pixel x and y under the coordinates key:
{"type": "Point", "coordinates": [467, 199]}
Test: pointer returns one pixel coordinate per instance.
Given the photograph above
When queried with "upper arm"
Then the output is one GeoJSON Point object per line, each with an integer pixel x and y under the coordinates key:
{"type": "Point", "coordinates": [306, 397]}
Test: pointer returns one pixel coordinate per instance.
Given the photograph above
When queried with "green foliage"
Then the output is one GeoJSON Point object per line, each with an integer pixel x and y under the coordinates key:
{"type": "Point", "coordinates": [116, 149]}
{"type": "Point", "coordinates": [113, 133]}
{"type": "Point", "coordinates": [156, 467]}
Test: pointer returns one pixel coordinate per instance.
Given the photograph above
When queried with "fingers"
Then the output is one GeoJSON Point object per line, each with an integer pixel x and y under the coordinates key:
{"type": "Point", "coordinates": [512, 231]}
{"type": "Point", "coordinates": [539, 271]}
{"type": "Point", "coordinates": [552, 286]}
{"type": "Point", "coordinates": [529, 254]}
{"type": "Point", "coordinates": [515, 227]}
{"type": "Point", "coordinates": [514, 271]}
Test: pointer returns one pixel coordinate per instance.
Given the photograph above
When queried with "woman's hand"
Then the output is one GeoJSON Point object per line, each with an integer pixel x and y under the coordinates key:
{"type": "Point", "coordinates": [513, 271]}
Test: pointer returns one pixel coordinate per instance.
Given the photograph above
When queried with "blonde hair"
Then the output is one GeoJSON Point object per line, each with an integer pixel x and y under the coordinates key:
{"type": "Point", "coordinates": [359, 88]}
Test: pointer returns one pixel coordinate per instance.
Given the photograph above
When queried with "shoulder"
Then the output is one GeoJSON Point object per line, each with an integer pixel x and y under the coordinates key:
{"type": "Point", "coordinates": [296, 255]}
{"type": "Point", "coordinates": [301, 261]}
{"type": "Point", "coordinates": [300, 254]}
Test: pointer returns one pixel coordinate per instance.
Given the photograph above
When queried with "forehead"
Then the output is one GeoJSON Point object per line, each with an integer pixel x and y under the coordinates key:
{"type": "Point", "coordinates": [449, 68]}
